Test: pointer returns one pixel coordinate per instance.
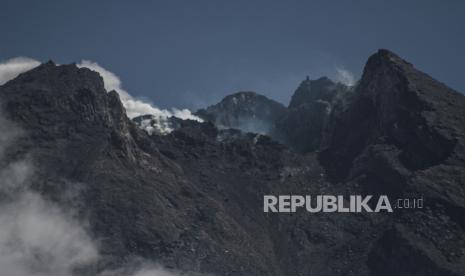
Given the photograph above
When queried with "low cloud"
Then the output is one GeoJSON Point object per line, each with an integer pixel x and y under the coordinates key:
{"type": "Point", "coordinates": [11, 68]}
{"type": "Point", "coordinates": [40, 238]}
{"type": "Point", "coordinates": [36, 237]}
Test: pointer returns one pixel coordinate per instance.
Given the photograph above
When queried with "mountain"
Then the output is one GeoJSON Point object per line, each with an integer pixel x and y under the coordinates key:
{"type": "Point", "coordinates": [303, 125]}
{"type": "Point", "coordinates": [192, 199]}
{"type": "Point", "coordinates": [401, 134]}
{"type": "Point", "coordinates": [189, 200]}
{"type": "Point", "coordinates": [247, 111]}
{"type": "Point", "coordinates": [309, 91]}
{"type": "Point", "coordinates": [299, 126]}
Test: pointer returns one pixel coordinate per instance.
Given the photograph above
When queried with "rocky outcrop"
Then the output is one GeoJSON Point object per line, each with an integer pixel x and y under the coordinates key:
{"type": "Point", "coordinates": [302, 127]}
{"type": "Point", "coordinates": [309, 91]}
{"type": "Point", "coordinates": [192, 199]}
{"type": "Point", "coordinates": [246, 111]}
{"type": "Point", "coordinates": [402, 134]}
{"type": "Point", "coordinates": [398, 107]}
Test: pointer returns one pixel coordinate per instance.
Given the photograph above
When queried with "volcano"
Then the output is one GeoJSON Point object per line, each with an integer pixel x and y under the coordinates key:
{"type": "Point", "coordinates": [192, 199]}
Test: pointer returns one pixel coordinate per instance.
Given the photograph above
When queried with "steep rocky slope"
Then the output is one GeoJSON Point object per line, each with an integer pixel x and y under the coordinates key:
{"type": "Point", "coordinates": [193, 199]}
{"type": "Point", "coordinates": [403, 134]}
{"type": "Point", "coordinates": [299, 126]}
{"type": "Point", "coordinates": [247, 111]}
{"type": "Point", "coordinates": [302, 126]}
{"type": "Point", "coordinates": [185, 200]}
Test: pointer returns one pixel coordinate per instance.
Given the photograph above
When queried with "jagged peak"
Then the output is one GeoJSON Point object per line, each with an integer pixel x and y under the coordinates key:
{"type": "Point", "coordinates": [322, 80]}
{"type": "Point", "coordinates": [310, 90]}
{"type": "Point", "coordinates": [387, 65]}
{"type": "Point", "coordinates": [315, 84]}
{"type": "Point", "coordinates": [384, 57]}
{"type": "Point", "coordinates": [63, 78]}
{"type": "Point", "coordinates": [49, 63]}
{"type": "Point", "coordinates": [245, 96]}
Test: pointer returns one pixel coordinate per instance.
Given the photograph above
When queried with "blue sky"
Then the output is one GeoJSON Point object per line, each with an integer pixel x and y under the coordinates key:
{"type": "Point", "coordinates": [193, 53]}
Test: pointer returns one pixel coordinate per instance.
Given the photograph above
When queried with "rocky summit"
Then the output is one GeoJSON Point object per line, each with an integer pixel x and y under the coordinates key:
{"type": "Point", "coordinates": [247, 111]}
{"type": "Point", "coordinates": [192, 199]}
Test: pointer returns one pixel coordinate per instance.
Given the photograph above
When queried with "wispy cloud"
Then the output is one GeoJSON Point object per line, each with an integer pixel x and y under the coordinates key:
{"type": "Point", "coordinates": [137, 107]}
{"type": "Point", "coordinates": [36, 237]}
{"type": "Point", "coordinates": [11, 68]}
{"type": "Point", "coordinates": [344, 76]}
{"type": "Point", "coordinates": [40, 238]}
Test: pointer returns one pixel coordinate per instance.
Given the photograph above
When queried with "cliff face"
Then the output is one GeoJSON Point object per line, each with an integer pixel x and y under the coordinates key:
{"type": "Point", "coordinates": [299, 126]}
{"type": "Point", "coordinates": [396, 104]}
{"type": "Point", "coordinates": [193, 199]}
{"type": "Point", "coordinates": [302, 127]}
{"type": "Point", "coordinates": [402, 120]}
{"type": "Point", "coordinates": [403, 134]}
{"type": "Point", "coordinates": [322, 89]}
{"type": "Point", "coordinates": [247, 111]}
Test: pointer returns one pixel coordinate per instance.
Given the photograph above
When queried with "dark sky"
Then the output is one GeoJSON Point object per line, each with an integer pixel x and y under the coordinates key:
{"type": "Point", "coordinates": [192, 53]}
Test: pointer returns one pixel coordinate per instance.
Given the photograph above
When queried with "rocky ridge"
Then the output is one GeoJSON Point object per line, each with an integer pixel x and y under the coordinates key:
{"type": "Point", "coordinates": [192, 199]}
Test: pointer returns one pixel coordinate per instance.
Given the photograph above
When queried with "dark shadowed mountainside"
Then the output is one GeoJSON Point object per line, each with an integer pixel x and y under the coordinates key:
{"type": "Point", "coordinates": [193, 199]}
{"type": "Point", "coordinates": [302, 127]}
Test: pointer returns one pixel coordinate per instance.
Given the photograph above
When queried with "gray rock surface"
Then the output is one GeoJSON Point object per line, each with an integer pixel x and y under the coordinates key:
{"type": "Point", "coordinates": [246, 111]}
{"type": "Point", "coordinates": [193, 199]}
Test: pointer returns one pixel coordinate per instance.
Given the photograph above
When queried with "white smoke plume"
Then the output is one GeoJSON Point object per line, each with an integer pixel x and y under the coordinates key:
{"type": "Point", "coordinates": [136, 107]}
{"type": "Point", "coordinates": [11, 68]}
{"type": "Point", "coordinates": [345, 77]}
{"type": "Point", "coordinates": [37, 237]}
